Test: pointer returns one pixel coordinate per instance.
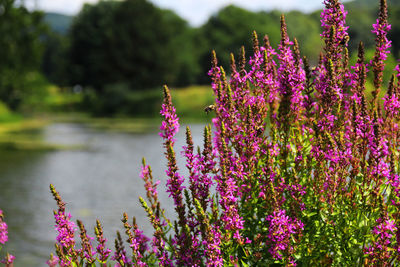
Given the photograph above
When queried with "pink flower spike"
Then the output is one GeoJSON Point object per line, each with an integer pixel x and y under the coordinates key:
{"type": "Point", "coordinates": [8, 260]}
{"type": "Point", "coordinates": [3, 229]}
{"type": "Point", "coordinates": [53, 261]}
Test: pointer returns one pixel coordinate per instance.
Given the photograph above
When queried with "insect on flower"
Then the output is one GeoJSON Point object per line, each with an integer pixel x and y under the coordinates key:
{"type": "Point", "coordinates": [345, 40]}
{"type": "Point", "coordinates": [209, 108]}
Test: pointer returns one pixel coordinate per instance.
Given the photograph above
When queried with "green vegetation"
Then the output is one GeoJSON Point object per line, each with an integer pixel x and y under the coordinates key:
{"type": "Point", "coordinates": [20, 51]}
{"type": "Point", "coordinates": [113, 57]}
{"type": "Point", "coordinates": [116, 52]}
{"type": "Point", "coordinates": [120, 101]}
{"type": "Point", "coordinates": [17, 133]}
{"type": "Point", "coordinates": [191, 102]}
{"type": "Point", "coordinates": [130, 42]}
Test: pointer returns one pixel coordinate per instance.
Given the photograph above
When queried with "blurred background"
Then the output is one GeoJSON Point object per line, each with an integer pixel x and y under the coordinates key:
{"type": "Point", "coordinates": [80, 92]}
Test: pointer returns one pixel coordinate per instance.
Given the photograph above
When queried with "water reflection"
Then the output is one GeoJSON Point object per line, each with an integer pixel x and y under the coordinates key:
{"type": "Point", "coordinates": [101, 181]}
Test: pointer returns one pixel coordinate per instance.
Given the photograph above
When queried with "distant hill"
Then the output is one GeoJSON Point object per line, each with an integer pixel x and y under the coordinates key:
{"type": "Point", "coordinates": [59, 23]}
{"type": "Point", "coordinates": [372, 3]}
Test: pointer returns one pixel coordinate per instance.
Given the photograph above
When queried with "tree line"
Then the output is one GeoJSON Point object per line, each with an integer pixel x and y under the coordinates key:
{"type": "Point", "coordinates": [115, 47]}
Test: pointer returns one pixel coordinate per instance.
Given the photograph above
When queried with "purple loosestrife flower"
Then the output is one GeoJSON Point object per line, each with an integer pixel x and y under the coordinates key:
{"type": "Point", "coordinates": [120, 253]}
{"type": "Point", "coordinates": [66, 229]}
{"type": "Point", "coordinates": [139, 245]}
{"type": "Point", "coordinates": [175, 181]}
{"type": "Point", "coordinates": [138, 241]}
{"type": "Point", "coordinates": [333, 22]}
{"type": "Point", "coordinates": [53, 261]}
{"type": "Point", "coordinates": [151, 187]}
{"type": "Point", "coordinates": [291, 77]}
{"type": "Point", "coordinates": [379, 151]}
{"type": "Point", "coordinates": [225, 109]}
{"type": "Point", "coordinates": [102, 251]}
{"type": "Point", "coordinates": [391, 101]}
{"type": "Point", "coordinates": [158, 245]}
{"type": "Point", "coordinates": [193, 165]}
{"type": "Point", "coordinates": [397, 69]}
{"type": "Point", "coordinates": [199, 166]}
{"type": "Point", "coordinates": [215, 73]}
{"type": "Point", "coordinates": [256, 74]}
{"type": "Point", "coordinates": [213, 248]}
{"type": "Point", "coordinates": [380, 251]}
{"type": "Point", "coordinates": [154, 213]}
{"type": "Point", "coordinates": [3, 229]}
{"type": "Point", "coordinates": [359, 77]}
{"type": "Point", "coordinates": [65, 238]}
{"type": "Point", "coordinates": [170, 124]}
{"type": "Point", "coordinates": [169, 128]}
{"type": "Point", "coordinates": [270, 76]}
{"type": "Point", "coordinates": [228, 189]}
{"type": "Point", "coordinates": [158, 242]}
{"type": "Point", "coordinates": [87, 250]}
{"type": "Point", "coordinates": [211, 235]}
{"type": "Point", "coordinates": [262, 73]}
{"type": "Point", "coordinates": [330, 71]}
{"type": "Point", "coordinates": [244, 110]}
{"type": "Point", "coordinates": [66, 232]}
{"type": "Point", "coordinates": [380, 28]}
{"type": "Point", "coordinates": [207, 164]}
{"type": "Point", "coordinates": [8, 260]}
{"type": "Point", "coordinates": [281, 230]}
{"type": "Point", "coordinates": [227, 126]}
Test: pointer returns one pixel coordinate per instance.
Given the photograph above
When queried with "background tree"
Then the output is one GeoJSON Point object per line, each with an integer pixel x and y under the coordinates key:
{"type": "Point", "coordinates": [306, 29]}
{"type": "Point", "coordinates": [54, 59]}
{"type": "Point", "coordinates": [116, 47]}
{"type": "Point", "coordinates": [131, 42]}
{"type": "Point", "coordinates": [228, 30]}
{"type": "Point", "coordinates": [20, 50]}
{"type": "Point", "coordinates": [394, 34]}
{"type": "Point", "coordinates": [232, 26]}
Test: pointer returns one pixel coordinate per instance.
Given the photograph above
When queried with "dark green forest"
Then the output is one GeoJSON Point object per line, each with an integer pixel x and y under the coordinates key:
{"type": "Point", "coordinates": [113, 48]}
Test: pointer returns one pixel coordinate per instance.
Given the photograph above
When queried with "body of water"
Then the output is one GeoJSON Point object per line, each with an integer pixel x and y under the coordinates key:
{"type": "Point", "coordinates": [99, 182]}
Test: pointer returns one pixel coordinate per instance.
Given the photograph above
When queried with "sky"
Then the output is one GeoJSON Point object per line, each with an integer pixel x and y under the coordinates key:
{"type": "Point", "coordinates": [196, 12]}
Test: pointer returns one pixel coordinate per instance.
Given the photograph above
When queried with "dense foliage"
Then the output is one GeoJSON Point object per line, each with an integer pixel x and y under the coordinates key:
{"type": "Point", "coordinates": [20, 50]}
{"type": "Point", "coordinates": [112, 51]}
{"type": "Point", "coordinates": [111, 55]}
{"type": "Point", "coordinates": [127, 42]}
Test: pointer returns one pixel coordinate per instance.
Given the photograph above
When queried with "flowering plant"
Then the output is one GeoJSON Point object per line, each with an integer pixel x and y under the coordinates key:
{"type": "Point", "coordinates": [9, 259]}
{"type": "Point", "coordinates": [301, 166]}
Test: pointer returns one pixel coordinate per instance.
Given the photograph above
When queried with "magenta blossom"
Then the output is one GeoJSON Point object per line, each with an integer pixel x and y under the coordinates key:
{"type": "Point", "coordinates": [8, 260]}
{"type": "Point", "coordinates": [282, 229]}
{"type": "Point", "coordinates": [3, 229]}
{"type": "Point", "coordinates": [53, 261]}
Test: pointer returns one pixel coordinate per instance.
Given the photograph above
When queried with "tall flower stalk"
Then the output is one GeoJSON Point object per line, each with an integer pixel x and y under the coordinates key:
{"type": "Point", "coordinates": [9, 259]}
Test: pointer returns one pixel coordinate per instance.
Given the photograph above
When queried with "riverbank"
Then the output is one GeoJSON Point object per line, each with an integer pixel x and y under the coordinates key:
{"type": "Point", "coordinates": [19, 132]}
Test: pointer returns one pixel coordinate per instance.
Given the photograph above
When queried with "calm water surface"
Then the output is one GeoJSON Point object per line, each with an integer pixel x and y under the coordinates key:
{"type": "Point", "coordinates": [99, 182]}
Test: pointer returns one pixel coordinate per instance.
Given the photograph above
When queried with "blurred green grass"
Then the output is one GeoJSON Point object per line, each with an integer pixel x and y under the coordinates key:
{"type": "Point", "coordinates": [121, 101]}
{"type": "Point", "coordinates": [140, 111]}
{"type": "Point", "coordinates": [190, 102]}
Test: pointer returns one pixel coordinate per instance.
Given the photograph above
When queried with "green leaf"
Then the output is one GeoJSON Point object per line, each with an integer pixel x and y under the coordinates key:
{"type": "Point", "coordinates": [244, 264]}
{"type": "Point", "coordinates": [311, 214]}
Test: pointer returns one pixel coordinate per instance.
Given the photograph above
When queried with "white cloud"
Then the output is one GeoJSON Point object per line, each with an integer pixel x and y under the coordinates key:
{"type": "Point", "coordinates": [194, 11]}
{"type": "Point", "coordinates": [70, 7]}
{"type": "Point", "coordinates": [197, 11]}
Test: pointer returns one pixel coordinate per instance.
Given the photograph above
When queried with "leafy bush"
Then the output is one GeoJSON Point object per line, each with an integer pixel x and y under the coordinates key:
{"type": "Point", "coordinates": [119, 99]}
